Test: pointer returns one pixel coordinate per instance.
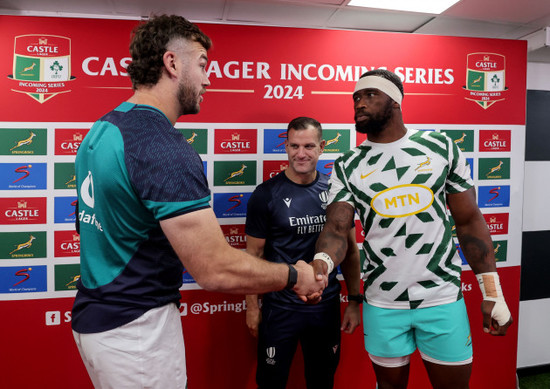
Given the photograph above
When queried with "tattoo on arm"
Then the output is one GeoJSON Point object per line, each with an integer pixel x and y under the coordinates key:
{"type": "Point", "coordinates": [334, 237]}
{"type": "Point", "coordinates": [474, 249]}
{"type": "Point", "coordinates": [336, 242]}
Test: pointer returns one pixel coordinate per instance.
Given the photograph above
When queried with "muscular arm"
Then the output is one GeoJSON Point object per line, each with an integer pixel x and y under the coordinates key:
{"type": "Point", "coordinates": [255, 247]}
{"type": "Point", "coordinates": [475, 241]}
{"type": "Point", "coordinates": [351, 267]}
{"type": "Point", "coordinates": [472, 232]}
{"type": "Point", "coordinates": [351, 270]}
{"type": "Point", "coordinates": [333, 239]}
{"type": "Point", "coordinates": [198, 241]}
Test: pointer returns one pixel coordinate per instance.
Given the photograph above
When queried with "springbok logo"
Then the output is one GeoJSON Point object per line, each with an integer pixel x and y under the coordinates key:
{"type": "Point", "coordinates": [421, 165]}
{"type": "Point", "coordinates": [87, 190]}
{"type": "Point", "coordinates": [461, 139]}
{"type": "Point", "coordinates": [333, 140]}
{"type": "Point", "coordinates": [191, 140]}
{"type": "Point", "coordinates": [24, 245]}
{"type": "Point", "coordinates": [495, 168]}
{"type": "Point", "coordinates": [24, 142]}
{"type": "Point", "coordinates": [237, 173]}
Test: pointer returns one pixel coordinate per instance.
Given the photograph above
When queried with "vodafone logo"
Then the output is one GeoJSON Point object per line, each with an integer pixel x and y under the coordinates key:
{"type": "Point", "coordinates": [87, 190]}
{"type": "Point", "coordinates": [87, 196]}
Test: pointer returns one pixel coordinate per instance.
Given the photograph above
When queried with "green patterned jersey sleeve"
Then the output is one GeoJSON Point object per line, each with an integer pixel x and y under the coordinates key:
{"type": "Point", "coordinates": [459, 178]}
{"type": "Point", "coordinates": [338, 189]}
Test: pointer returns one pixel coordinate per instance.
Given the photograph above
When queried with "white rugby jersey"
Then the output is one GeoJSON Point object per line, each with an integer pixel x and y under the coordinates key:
{"type": "Point", "coordinates": [399, 191]}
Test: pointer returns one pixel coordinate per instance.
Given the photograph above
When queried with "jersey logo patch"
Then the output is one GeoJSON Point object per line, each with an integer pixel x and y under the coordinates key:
{"type": "Point", "coordinates": [363, 176]}
{"type": "Point", "coordinates": [287, 202]}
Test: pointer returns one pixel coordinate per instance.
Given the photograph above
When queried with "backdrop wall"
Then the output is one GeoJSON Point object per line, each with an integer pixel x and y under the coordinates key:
{"type": "Point", "coordinates": [60, 75]}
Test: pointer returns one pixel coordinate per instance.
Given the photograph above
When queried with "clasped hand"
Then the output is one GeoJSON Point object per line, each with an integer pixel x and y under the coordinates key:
{"type": "Point", "coordinates": [312, 280]}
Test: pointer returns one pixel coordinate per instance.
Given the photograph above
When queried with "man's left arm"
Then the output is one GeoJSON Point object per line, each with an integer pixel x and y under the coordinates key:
{"type": "Point", "coordinates": [475, 242]}
{"type": "Point", "coordinates": [351, 270]}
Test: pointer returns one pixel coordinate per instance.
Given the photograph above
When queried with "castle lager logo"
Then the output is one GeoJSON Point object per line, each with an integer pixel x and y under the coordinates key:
{"type": "Point", "coordinates": [485, 78]}
{"type": "Point", "coordinates": [67, 141]}
{"type": "Point", "coordinates": [495, 140]}
{"type": "Point", "coordinates": [235, 235]}
{"type": "Point", "coordinates": [497, 223]}
{"type": "Point", "coordinates": [29, 210]}
{"type": "Point", "coordinates": [41, 66]}
{"type": "Point", "coordinates": [235, 141]}
{"type": "Point", "coordinates": [272, 168]}
{"type": "Point", "coordinates": [67, 244]}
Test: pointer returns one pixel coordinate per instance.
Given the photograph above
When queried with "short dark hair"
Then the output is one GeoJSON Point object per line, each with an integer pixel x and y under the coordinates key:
{"type": "Point", "coordinates": [303, 122]}
{"type": "Point", "coordinates": [388, 76]}
{"type": "Point", "coordinates": [149, 43]}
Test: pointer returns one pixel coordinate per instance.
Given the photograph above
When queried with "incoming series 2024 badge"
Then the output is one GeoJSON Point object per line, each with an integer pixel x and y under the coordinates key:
{"type": "Point", "coordinates": [485, 78]}
{"type": "Point", "coordinates": [41, 66]}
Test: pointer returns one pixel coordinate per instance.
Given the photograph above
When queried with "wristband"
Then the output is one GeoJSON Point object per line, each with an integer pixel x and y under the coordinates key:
{"type": "Point", "coordinates": [292, 277]}
{"type": "Point", "coordinates": [326, 259]}
{"type": "Point", "coordinates": [489, 283]}
{"type": "Point", "coordinates": [355, 297]}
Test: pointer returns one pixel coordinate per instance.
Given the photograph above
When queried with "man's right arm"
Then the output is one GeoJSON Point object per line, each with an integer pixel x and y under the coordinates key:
{"type": "Point", "coordinates": [199, 243]}
{"type": "Point", "coordinates": [333, 239]}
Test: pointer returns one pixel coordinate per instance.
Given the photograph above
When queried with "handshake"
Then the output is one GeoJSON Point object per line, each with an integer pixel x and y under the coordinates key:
{"type": "Point", "coordinates": [312, 279]}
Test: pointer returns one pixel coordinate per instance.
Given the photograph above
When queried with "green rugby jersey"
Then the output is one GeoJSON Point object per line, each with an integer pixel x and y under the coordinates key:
{"type": "Point", "coordinates": [399, 191]}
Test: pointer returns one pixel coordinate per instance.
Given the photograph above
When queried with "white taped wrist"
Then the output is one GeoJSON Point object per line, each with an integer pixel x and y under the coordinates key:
{"type": "Point", "coordinates": [489, 283]}
{"type": "Point", "coordinates": [326, 259]}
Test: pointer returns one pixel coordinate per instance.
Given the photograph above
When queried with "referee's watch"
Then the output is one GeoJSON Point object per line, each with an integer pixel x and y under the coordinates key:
{"type": "Point", "coordinates": [355, 297]}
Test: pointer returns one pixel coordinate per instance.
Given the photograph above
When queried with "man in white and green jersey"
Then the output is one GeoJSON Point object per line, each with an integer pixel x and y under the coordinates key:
{"type": "Point", "coordinates": [401, 182]}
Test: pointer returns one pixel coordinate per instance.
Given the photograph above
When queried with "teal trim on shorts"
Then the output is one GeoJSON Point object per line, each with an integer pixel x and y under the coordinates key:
{"type": "Point", "coordinates": [441, 332]}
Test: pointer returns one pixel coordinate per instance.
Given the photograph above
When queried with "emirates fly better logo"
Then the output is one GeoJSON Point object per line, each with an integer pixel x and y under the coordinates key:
{"type": "Point", "coordinates": [41, 66]}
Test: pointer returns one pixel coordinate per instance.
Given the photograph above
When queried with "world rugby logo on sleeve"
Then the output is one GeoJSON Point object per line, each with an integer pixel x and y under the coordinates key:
{"type": "Point", "coordinates": [485, 78]}
{"type": "Point", "coordinates": [41, 66]}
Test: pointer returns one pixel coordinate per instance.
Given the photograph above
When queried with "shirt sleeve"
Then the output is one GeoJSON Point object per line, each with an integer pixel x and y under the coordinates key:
{"type": "Point", "coordinates": [257, 214]}
{"type": "Point", "coordinates": [167, 173]}
{"type": "Point", "coordinates": [459, 178]}
{"type": "Point", "coordinates": [338, 189]}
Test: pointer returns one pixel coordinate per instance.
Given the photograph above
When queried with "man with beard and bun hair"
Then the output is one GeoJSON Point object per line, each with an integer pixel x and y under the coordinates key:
{"type": "Point", "coordinates": [144, 214]}
{"type": "Point", "coordinates": [401, 182]}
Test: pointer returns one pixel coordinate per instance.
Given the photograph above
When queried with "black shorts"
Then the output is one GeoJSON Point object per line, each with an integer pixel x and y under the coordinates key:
{"type": "Point", "coordinates": [319, 335]}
